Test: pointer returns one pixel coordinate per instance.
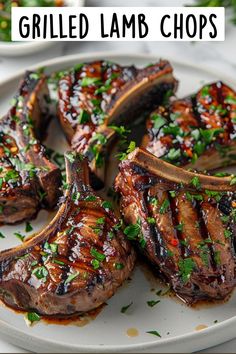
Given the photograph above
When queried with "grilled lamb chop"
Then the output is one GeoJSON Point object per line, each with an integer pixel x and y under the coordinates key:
{"type": "Point", "coordinates": [25, 172]}
{"type": "Point", "coordinates": [77, 262]}
{"type": "Point", "coordinates": [95, 95]}
{"type": "Point", "coordinates": [198, 131]}
{"type": "Point", "coordinates": [183, 222]}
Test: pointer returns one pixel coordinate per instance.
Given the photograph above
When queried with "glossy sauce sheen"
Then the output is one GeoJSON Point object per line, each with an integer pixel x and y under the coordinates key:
{"type": "Point", "coordinates": [24, 168]}
{"type": "Point", "coordinates": [187, 232]}
{"type": "Point", "coordinates": [95, 97]}
{"type": "Point", "coordinates": [76, 263]}
{"type": "Point", "coordinates": [186, 129]}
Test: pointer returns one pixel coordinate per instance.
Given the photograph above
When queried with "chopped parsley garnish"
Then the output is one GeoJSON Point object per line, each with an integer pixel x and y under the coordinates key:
{"type": "Point", "coordinates": [50, 247]}
{"type": "Point", "coordinates": [57, 261]}
{"type": "Point", "coordinates": [95, 263]}
{"type": "Point", "coordinates": [179, 227]}
{"type": "Point", "coordinates": [19, 236]}
{"type": "Point", "coordinates": [225, 218]}
{"type": "Point", "coordinates": [41, 273]}
{"type": "Point", "coordinates": [191, 197]}
{"type": "Point", "coordinates": [173, 154]}
{"type": "Point", "coordinates": [172, 194]}
{"type": "Point", "coordinates": [151, 220]}
{"type": "Point", "coordinates": [153, 201]}
{"type": "Point", "coordinates": [70, 156]}
{"type": "Point", "coordinates": [209, 134]}
{"type": "Point", "coordinates": [164, 206]}
{"type": "Point", "coordinates": [33, 317]}
{"type": "Point", "coordinates": [131, 148]}
{"type": "Point", "coordinates": [28, 227]}
{"type": "Point", "coordinates": [217, 257]}
{"type": "Point", "coordinates": [125, 308]}
{"type": "Point", "coordinates": [196, 182]}
{"type": "Point", "coordinates": [97, 255]}
{"type": "Point", "coordinates": [106, 205]}
{"type": "Point", "coordinates": [1, 235]}
{"type": "Point", "coordinates": [100, 221]}
{"type": "Point", "coordinates": [158, 120]}
{"type": "Point", "coordinates": [90, 198]}
{"type": "Point", "coordinates": [87, 81]}
{"type": "Point", "coordinates": [154, 333]}
{"type": "Point", "coordinates": [205, 91]}
{"type": "Point", "coordinates": [213, 194]}
{"type": "Point", "coordinates": [78, 67]}
{"type": "Point", "coordinates": [230, 99]}
{"type": "Point", "coordinates": [119, 266]}
{"type": "Point", "coordinates": [152, 303]}
{"type": "Point", "coordinates": [71, 277]}
{"type": "Point", "coordinates": [132, 231]}
{"type": "Point", "coordinates": [121, 130]}
{"type": "Point", "coordinates": [227, 233]}
{"type": "Point", "coordinates": [186, 267]}
{"type": "Point", "coordinates": [75, 197]}
{"type": "Point", "coordinates": [233, 180]}
{"type": "Point", "coordinates": [83, 117]}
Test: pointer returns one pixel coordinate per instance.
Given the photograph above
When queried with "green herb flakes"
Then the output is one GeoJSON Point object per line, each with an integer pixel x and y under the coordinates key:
{"type": "Point", "coordinates": [28, 227]}
{"type": "Point", "coordinates": [125, 308]}
{"type": "Point", "coordinates": [154, 333]}
{"type": "Point", "coordinates": [33, 317]}
{"type": "Point", "coordinates": [164, 206]}
{"type": "Point", "coordinates": [152, 303]}
{"type": "Point", "coordinates": [71, 277]}
{"type": "Point", "coordinates": [196, 182]}
{"type": "Point", "coordinates": [186, 267]}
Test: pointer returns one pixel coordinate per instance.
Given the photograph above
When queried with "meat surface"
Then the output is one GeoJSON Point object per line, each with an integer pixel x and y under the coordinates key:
{"type": "Point", "coordinates": [95, 96]}
{"type": "Point", "coordinates": [77, 262]}
{"type": "Point", "coordinates": [183, 223]}
{"type": "Point", "coordinates": [198, 131]}
{"type": "Point", "coordinates": [27, 178]}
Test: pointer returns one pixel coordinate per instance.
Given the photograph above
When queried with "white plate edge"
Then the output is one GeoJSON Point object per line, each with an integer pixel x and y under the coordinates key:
{"type": "Point", "coordinates": [213, 332]}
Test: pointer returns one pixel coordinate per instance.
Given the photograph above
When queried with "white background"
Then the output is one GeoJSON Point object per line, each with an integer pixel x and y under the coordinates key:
{"type": "Point", "coordinates": [218, 56]}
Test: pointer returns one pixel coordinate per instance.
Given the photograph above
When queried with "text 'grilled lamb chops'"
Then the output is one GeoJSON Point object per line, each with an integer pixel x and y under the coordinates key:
{"type": "Point", "coordinates": [95, 95]}
{"type": "Point", "coordinates": [197, 131]}
{"type": "Point", "coordinates": [27, 177]}
{"type": "Point", "coordinates": [77, 262]}
{"type": "Point", "coordinates": [183, 222]}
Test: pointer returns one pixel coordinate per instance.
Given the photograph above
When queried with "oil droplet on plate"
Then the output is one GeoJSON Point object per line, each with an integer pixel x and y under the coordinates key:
{"type": "Point", "coordinates": [132, 332]}
{"type": "Point", "coordinates": [200, 327]}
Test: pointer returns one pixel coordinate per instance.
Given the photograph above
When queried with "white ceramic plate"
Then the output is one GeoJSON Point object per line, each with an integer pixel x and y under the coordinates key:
{"type": "Point", "coordinates": [176, 323]}
{"type": "Point", "coordinates": [24, 48]}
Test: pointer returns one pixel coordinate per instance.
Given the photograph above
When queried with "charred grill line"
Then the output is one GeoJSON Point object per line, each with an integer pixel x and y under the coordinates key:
{"type": "Point", "coordinates": [202, 264]}
{"type": "Point", "coordinates": [79, 270]}
{"type": "Point", "coordinates": [198, 131]}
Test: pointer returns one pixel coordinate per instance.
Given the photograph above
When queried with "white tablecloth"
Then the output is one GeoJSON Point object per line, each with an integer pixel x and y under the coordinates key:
{"type": "Point", "coordinates": [219, 56]}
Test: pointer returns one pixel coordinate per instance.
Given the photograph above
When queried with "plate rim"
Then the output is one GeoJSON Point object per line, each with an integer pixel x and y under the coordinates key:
{"type": "Point", "coordinates": [212, 333]}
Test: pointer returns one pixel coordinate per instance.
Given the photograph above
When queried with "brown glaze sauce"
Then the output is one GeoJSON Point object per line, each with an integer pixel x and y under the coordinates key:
{"type": "Point", "coordinates": [79, 320]}
{"type": "Point", "coordinates": [210, 108]}
{"type": "Point", "coordinates": [157, 285]}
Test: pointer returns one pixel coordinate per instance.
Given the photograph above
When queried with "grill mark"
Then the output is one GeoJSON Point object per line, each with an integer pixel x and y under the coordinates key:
{"type": "Point", "coordinates": [155, 233]}
{"type": "Point", "coordinates": [205, 235]}
{"type": "Point", "coordinates": [175, 214]}
{"type": "Point", "coordinates": [216, 246]}
{"type": "Point", "coordinates": [163, 244]}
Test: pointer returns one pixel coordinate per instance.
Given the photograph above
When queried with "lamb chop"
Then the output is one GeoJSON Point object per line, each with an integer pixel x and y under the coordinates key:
{"type": "Point", "coordinates": [95, 96]}
{"type": "Point", "coordinates": [198, 131]}
{"type": "Point", "coordinates": [77, 262]}
{"type": "Point", "coordinates": [184, 223]}
{"type": "Point", "coordinates": [27, 177]}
